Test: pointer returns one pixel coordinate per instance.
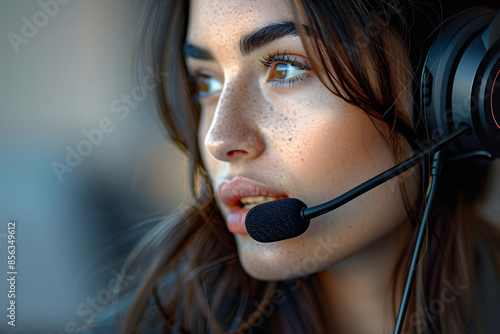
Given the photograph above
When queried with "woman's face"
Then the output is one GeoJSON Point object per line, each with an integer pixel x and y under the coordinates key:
{"type": "Point", "coordinates": [270, 129]}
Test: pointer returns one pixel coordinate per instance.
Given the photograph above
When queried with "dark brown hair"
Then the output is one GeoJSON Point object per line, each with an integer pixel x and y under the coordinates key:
{"type": "Point", "coordinates": [192, 280]}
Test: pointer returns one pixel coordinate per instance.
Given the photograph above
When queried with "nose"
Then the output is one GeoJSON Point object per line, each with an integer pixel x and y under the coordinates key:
{"type": "Point", "coordinates": [234, 133]}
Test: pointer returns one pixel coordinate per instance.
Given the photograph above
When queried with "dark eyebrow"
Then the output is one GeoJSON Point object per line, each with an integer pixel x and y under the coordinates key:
{"type": "Point", "coordinates": [252, 41]}
{"type": "Point", "coordinates": [266, 35]}
{"type": "Point", "coordinates": [196, 52]}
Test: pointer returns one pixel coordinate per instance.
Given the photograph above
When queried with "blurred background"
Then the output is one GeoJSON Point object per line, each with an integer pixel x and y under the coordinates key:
{"type": "Point", "coordinates": [81, 160]}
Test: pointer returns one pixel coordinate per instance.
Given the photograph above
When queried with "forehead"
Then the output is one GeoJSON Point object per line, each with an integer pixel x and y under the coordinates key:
{"type": "Point", "coordinates": [221, 23]}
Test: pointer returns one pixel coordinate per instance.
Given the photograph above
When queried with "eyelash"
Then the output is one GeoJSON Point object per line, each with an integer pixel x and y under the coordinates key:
{"type": "Point", "coordinates": [283, 57]}
{"type": "Point", "coordinates": [269, 61]}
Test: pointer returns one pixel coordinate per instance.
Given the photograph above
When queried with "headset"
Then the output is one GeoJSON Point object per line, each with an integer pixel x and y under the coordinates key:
{"type": "Point", "coordinates": [460, 82]}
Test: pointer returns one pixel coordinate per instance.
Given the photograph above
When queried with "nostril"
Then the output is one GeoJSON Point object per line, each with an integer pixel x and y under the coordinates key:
{"type": "Point", "coordinates": [236, 153]}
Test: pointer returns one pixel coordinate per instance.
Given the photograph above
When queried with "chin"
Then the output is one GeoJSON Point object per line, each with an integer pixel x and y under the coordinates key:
{"type": "Point", "coordinates": [262, 272]}
{"type": "Point", "coordinates": [276, 261]}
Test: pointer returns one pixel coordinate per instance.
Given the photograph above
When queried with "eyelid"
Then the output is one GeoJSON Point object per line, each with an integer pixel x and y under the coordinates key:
{"type": "Point", "coordinates": [298, 62]}
{"type": "Point", "coordinates": [197, 66]}
{"type": "Point", "coordinates": [284, 57]}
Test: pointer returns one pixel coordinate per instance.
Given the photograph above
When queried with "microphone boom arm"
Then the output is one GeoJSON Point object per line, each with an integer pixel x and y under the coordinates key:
{"type": "Point", "coordinates": [318, 210]}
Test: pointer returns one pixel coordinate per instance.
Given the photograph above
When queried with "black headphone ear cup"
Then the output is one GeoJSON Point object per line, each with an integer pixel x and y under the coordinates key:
{"type": "Point", "coordinates": [461, 82]}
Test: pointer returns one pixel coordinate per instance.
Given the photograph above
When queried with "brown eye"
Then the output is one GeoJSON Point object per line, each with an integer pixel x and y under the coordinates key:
{"type": "Point", "coordinates": [207, 85]}
{"type": "Point", "coordinates": [280, 71]}
{"type": "Point", "coordinates": [284, 71]}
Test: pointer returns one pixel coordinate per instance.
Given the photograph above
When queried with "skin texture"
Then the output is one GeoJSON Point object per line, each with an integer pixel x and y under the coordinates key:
{"type": "Point", "coordinates": [304, 141]}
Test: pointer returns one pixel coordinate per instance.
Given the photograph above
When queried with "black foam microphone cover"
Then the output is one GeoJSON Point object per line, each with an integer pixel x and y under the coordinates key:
{"type": "Point", "coordinates": [276, 220]}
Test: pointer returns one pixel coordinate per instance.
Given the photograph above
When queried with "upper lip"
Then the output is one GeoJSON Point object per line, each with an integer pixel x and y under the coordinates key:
{"type": "Point", "coordinates": [230, 192]}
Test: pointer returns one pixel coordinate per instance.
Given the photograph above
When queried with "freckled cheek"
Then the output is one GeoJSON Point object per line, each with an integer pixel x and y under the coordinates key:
{"type": "Point", "coordinates": [321, 151]}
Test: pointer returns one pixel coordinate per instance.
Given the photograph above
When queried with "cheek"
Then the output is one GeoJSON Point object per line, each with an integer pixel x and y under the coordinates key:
{"type": "Point", "coordinates": [326, 152]}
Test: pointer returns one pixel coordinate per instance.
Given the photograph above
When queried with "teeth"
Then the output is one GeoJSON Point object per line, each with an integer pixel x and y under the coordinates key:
{"type": "Point", "coordinates": [251, 201]}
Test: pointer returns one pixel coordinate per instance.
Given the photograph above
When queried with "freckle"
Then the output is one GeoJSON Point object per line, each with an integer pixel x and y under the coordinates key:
{"type": "Point", "coordinates": [350, 226]}
{"type": "Point", "coordinates": [303, 244]}
{"type": "Point", "coordinates": [290, 139]}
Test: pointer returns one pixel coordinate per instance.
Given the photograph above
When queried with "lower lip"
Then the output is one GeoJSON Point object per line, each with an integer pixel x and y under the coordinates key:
{"type": "Point", "coordinates": [235, 221]}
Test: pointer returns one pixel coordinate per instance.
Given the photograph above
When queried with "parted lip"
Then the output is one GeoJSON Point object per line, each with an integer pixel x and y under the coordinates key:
{"type": "Point", "coordinates": [230, 192]}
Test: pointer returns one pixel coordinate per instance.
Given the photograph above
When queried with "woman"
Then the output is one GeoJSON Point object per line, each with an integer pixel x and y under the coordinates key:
{"type": "Point", "coordinates": [304, 99]}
